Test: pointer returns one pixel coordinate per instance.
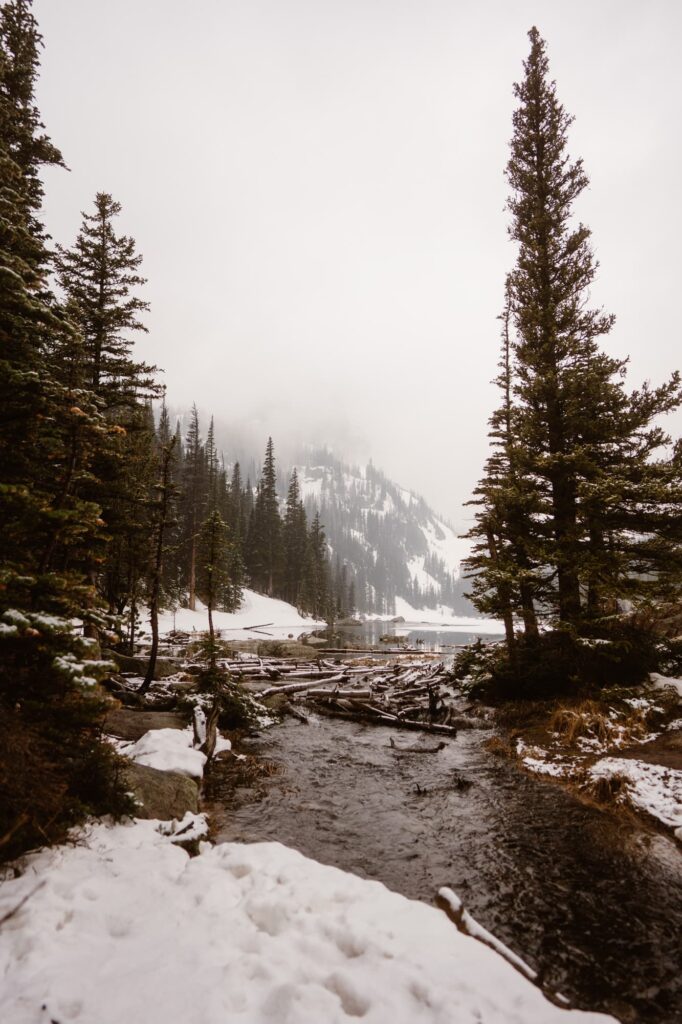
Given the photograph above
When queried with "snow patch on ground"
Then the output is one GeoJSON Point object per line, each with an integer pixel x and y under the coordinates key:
{"type": "Point", "coordinates": [666, 683]}
{"type": "Point", "coordinates": [277, 618]}
{"type": "Point", "coordinates": [168, 750]}
{"type": "Point", "coordinates": [650, 787]}
{"type": "Point", "coordinates": [538, 760]}
{"type": "Point", "coordinates": [126, 927]}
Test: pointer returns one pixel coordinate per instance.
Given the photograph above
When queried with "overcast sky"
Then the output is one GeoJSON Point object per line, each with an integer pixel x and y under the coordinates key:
{"type": "Point", "coordinates": [317, 188]}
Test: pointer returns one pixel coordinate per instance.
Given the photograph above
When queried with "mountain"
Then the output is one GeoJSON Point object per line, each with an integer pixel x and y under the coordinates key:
{"type": "Point", "coordinates": [392, 543]}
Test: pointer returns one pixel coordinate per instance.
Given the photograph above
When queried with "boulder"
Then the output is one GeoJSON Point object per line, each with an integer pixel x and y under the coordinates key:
{"type": "Point", "coordinates": [163, 795]}
{"type": "Point", "coordinates": [138, 666]}
{"type": "Point", "coordinates": [130, 725]}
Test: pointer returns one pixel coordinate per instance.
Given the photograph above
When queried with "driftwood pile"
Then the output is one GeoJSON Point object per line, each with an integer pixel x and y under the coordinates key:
{"type": "Point", "coordinates": [407, 694]}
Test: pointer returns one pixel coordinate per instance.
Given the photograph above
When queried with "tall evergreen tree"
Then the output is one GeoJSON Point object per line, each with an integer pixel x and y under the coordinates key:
{"type": "Point", "coordinates": [295, 539]}
{"type": "Point", "coordinates": [315, 589]}
{"type": "Point", "coordinates": [264, 544]}
{"type": "Point", "coordinates": [162, 521]}
{"type": "Point", "coordinates": [99, 276]}
{"type": "Point", "coordinates": [576, 426]}
{"type": "Point", "coordinates": [505, 579]}
{"type": "Point", "coordinates": [192, 504]}
{"type": "Point", "coordinates": [213, 569]}
{"type": "Point", "coordinates": [49, 433]}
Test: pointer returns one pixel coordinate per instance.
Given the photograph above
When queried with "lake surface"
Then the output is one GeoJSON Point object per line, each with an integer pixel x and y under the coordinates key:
{"type": "Point", "coordinates": [429, 638]}
{"type": "Point", "coordinates": [587, 898]}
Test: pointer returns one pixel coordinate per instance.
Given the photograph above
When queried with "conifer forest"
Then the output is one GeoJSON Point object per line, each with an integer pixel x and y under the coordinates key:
{"type": "Point", "coordinates": [278, 741]}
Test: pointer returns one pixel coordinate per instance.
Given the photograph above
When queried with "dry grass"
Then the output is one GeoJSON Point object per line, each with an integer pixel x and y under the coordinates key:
{"type": "Point", "coordinates": [587, 719]}
{"type": "Point", "coordinates": [591, 720]}
{"type": "Point", "coordinates": [500, 747]}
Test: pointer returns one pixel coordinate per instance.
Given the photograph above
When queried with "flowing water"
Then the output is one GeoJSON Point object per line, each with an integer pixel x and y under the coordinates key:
{"type": "Point", "coordinates": [587, 898]}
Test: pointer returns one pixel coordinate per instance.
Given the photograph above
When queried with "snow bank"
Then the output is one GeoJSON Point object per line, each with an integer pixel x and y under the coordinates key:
{"type": "Point", "coordinates": [651, 787]}
{"type": "Point", "coordinates": [125, 927]}
{"type": "Point", "coordinates": [666, 683]}
{"type": "Point", "coordinates": [277, 618]}
{"type": "Point", "coordinates": [169, 750]}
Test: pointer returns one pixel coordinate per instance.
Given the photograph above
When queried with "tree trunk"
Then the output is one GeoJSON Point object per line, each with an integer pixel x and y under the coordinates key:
{"type": "Point", "coordinates": [192, 597]}
{"type": "Point", "coordinates": [504, 596]}
{"type": "Point", "coordinates": [164, 507]}
{"type": "Point", "coordinates": [211, 632]}
{"type": "Point", "coordinates": [563, 497]}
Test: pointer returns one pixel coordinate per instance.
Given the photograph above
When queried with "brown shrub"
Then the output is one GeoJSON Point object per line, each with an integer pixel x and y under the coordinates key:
{"type": "Point", "coordinates": [496, 745]}
{"type": "Point", "coordinates": [607, 788]}
{"type": "Point", "coordinates": [587, 719]}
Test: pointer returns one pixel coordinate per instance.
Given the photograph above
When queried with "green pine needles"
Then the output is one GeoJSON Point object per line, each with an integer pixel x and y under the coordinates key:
{"type": "Point", "coordinates": [579, 507]}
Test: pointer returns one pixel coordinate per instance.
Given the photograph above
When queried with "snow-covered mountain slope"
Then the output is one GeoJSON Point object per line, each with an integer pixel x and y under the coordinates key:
{"type": "Point", "coordinates": [393, 544]}
{"type": "Point", "coordinates": [275, 618]}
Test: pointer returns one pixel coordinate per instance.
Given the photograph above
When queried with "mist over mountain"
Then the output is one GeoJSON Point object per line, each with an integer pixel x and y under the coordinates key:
{"type": "Point", "coordinates": [382, 536]}
{"type": "Point", "coordinates": [393, 543]}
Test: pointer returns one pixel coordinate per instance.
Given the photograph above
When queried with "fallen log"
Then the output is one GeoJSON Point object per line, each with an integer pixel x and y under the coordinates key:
{"type": "Point", "coordinates": [290, 709]}
{"type": "Point", "coordinates": [416, 750]}
{"type": "Point", "coordinates": [297, 687]}
{"type": "Point", "coordinates": [448, 901]}
{"type": "Point", "coordinates": [343, 694]}
{"type": "Point", "coordinates": [385, 720]}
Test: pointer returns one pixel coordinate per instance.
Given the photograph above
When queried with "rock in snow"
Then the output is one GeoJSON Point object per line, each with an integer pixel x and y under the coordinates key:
{"type": "Point", "coordinates": [161, 794]}
{"type": "Point", "coordinates": [126, 927]}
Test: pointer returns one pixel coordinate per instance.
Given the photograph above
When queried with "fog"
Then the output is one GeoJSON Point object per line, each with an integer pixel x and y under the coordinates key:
{"type": "Point", "coordinates": [317, 188]}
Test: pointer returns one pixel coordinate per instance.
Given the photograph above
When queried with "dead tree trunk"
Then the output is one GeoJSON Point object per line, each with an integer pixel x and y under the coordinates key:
{"type": "Point", "coordinates": [164, 507]}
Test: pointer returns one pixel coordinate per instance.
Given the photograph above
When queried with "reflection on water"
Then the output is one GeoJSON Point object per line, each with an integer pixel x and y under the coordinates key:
{"type": "Point", "coordinates": [592, 902]}
{"type": "Point", "coordinates": [426, 637]}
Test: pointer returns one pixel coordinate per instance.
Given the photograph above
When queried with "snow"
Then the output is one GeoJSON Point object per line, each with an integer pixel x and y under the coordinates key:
{"type": "Point", "coordinates": [535, 759]}
{"type": "Point", "coordinates": [256, 610]}
{"type": "Point", "coordinates": [169, 750]}
{"type": "Point", "coordinates": [125, 926]}
{"type": "Point", "coordinates": [666, 682]}
{"type": "Point", "coordinates": [416, 569]}
{"type": "Point", "coordinates": [651, 787]}
{"type": "Point", "coordinates": [449, 547]}
{"type": "Point", "coordinates": [310, 487]}
{"type": "Point", "coordinates": [476, 930]}
{"type": "Point", "coordinates": [440, 618]}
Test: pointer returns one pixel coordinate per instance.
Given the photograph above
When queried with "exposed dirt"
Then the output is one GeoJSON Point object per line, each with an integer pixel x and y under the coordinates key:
{"type": "Point", "coordinates": [665, 750]}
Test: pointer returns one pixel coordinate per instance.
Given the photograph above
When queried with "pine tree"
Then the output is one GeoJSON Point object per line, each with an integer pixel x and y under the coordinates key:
{"type": "Point", "coordinates": [161, 521]}
{"type": "Point", "coordinates": [213, 578]}
{"type": "Point", "coordinates": [577, 504]}
{"type": "Point", "coordinates": [315, 589]}
{"type": "Point", "coordinates": [295, 539]}
{"type": "Point", "coordinates": [192, 505]}
{"type": "Point", "coordinates": [99, 276]}
{"type": "Point", "coordinates": [49, 433]}
{"type": "Point", "coordinates": [25, 143]}
{"type": "Point", "coordinates": [264, 542]}
{"type": "Point", "coordinates": [505, 579]}
{"type": "Point", "coordinates": [575, 423]}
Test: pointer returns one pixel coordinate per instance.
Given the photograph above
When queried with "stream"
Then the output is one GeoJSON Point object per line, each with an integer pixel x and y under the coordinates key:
{"type": "Point", "coordinates": [588, 898]}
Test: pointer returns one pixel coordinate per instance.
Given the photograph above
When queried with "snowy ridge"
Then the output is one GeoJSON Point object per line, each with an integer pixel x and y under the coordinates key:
{"type": "Point", "coordinates": [395, 544]}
